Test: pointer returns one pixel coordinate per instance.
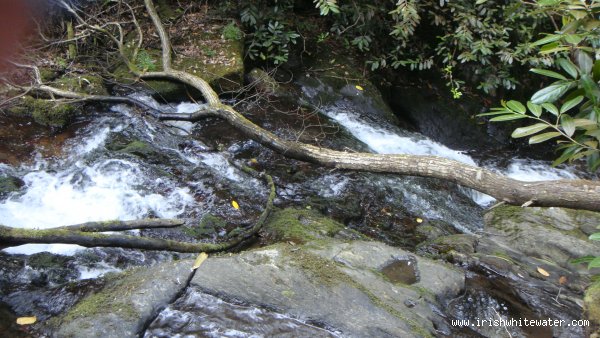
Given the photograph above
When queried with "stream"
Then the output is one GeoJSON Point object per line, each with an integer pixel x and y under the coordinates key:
{"type": "Point", "coordinates": [117, 164]}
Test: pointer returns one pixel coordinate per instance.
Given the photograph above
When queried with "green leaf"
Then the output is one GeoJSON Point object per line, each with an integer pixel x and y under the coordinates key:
{"type": "Point", "coordinates": [584, 61]}
{"type": "Point", "coordinates": [585, 123]}
{"type": "Point", "coordinates": [591, 88]}
{"type": "Point", "coordinates": [534, 108]}
{"type": "Point", "coordinates": [585, 259]}
{"type": "Point", "coordinates": [551, 108]}
{"type": "Point", "coordinates": [596, 70]}
{"type": "Point", "coordinates": [551, 93]}
{"type": "Point", "coordinates": [595, 237]}
{"type": "Point", "coordinates": [492, 113]}
{"type": "Point", "coordinates": [595, 263]}
{"type": "Point", "coordinates": [595, 133]}
{"type": "Point", "coordinates": [516, 106]}
{"type": "Point", "coordinates": [573, 39]}
{"type": "Point", "coordinates": [547, 39]}
{"type": "Point", "coordinates": [529, 130]}
{"type": "Point", "coordinates": [543, 137]}
{"type": "Point", "coordinates": [508, 117]}
{"type": "Point", "coordinates": [568, 66]}
{"type": "Point", "coordinates": [549, 73]}
{"type": "Point", "coordinates": [567, 124]}
{"type": "Point", "coordinates": [571, 103]}
{"type": "Point", "coordinates": [553, 47]}
{"type": "Point", "coordinates": [567, 154]}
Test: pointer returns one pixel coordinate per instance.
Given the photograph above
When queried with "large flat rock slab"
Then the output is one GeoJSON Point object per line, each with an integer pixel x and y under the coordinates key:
{"type": "Point", "coordinates": [339, 285]}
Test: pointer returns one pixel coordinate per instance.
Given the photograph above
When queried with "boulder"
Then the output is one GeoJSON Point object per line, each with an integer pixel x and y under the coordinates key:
{"type": "Point", "coordinates": [126, 302]}
{"type": "Point", "coordinates": [340, 285]}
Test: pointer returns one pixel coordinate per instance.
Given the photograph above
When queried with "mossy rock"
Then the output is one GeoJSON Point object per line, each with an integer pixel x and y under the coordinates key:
{"type": "Point", "coordinates": [300, 226]}
{"type": "Point", "coordinates": [139, 148]}
{"type": "Point", "coordinates": [44, 112]}
{"type": "Point", "coordinates": [46, 260]}
{"type": "Point", "coordinates": [262, 81]}
{"type": "Point", "coordinates": [592, 302]}
{"type": "Point", "coordinates": [88, 84]}
{"type": "Point", "coordinates": [209, 225]}
{"type": "Point", "coordinates": [106, 299]}
{"type": "Point", "coordinates": [9, 184]}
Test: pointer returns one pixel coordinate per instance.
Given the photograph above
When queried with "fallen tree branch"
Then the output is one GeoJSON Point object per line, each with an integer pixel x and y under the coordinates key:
{"type": "Point", "coordinates": [117, 225]}
{"type": "Point", "coordinates": [87, 235]}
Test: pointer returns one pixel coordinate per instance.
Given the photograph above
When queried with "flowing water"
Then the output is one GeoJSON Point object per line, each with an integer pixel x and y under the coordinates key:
{"type": "Point", "coordinates": [123, 166]}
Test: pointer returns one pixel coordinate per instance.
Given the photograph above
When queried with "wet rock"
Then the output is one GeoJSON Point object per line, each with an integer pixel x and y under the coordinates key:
{"type": "Point", "coordinates": [262, 81]}
{"type": "Point", "coordinates": [359, 301]}
{"type": "Point", "coordinates": [523, 257]}
{"type": "Point", "coordinates": [127, 301]}
{"type": "Point", "coordinates": [44, 112]}
{"type": "Point", "coordinates": [9, 184]}
{"type": "Point", "coordinates": [222, 318]}
{"type": "Point", "coordinates": [438, 116]}
{"type": "Point", "coordinates": [45, 303]}
{"type": "Point", "coordinates": [550, 234]}
{"type": "Point", "coordinates": [344, 77]}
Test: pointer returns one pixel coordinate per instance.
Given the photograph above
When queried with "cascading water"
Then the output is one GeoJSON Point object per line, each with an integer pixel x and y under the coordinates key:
{"type": "Point", "coordinates": [93, 183]}
{"type": "Point", "coordinates": [385, 138]}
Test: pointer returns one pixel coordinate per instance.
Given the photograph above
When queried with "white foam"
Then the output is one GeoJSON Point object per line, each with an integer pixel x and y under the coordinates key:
{"type": "Point", "coordinates": [383, 141]}
{"type": "Point", "coordinates": [99, 271]}
{"type": "Point", "coordinates": [219, 163]}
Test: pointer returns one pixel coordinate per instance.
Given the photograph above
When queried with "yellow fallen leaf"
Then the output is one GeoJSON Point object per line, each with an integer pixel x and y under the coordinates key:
{"type": "Point", "coordinates": [359, 87]}
{"type": "Point", "coordinates": [26, 320]}
{"type": "Point", "coordinates": [419, 220]}
{"type": "Point", "coordinates": [235, 205]}
{"type": "Point", "coordinates": [199, 260]}
{"type": "Point", "coordinates": [543, 272]}
{"type": "Point", "coordinates": [562, 280]}
{"type": "Point", "coordinates": [253, 161]}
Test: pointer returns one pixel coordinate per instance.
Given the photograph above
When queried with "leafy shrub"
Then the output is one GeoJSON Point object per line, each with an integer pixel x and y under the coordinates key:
{"type": "Point", "coordinates": [269, 39]}
{"type": "Point", "coordinates": [145, 62]}
{"type": "Point", "coordinates": [569, 108]}
{"type": "Point", "coordinates": [232, 32]}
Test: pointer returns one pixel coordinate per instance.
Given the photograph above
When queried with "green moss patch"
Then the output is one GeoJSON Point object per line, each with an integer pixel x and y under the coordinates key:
{"type": "Point", "coordinates": [592, 302]}
{"type": "Point", "coordinates": [300, 226]}
{"type": "Point", "coordinates": [44, 112]}
{"type": "Point", "coordinates": [112, 298]}
{"type": "Point", "coordinates": [88, 84]}
{"type": "Point", "coordinates": [209, 225]}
